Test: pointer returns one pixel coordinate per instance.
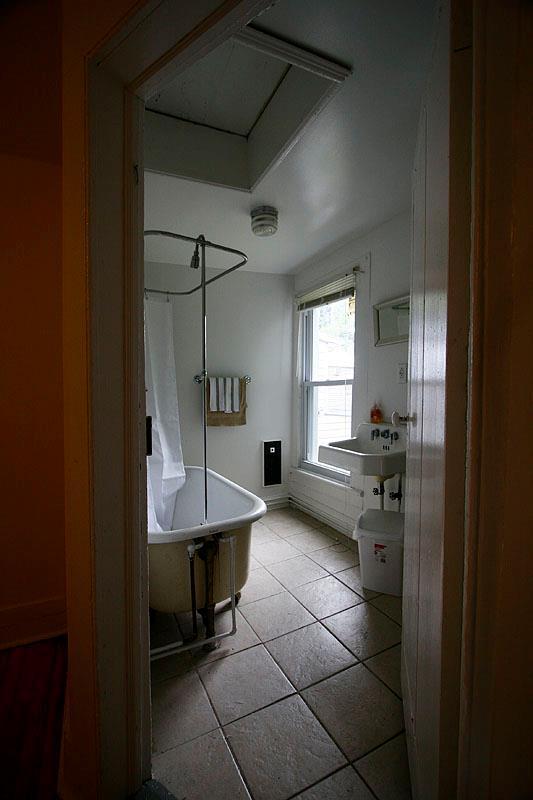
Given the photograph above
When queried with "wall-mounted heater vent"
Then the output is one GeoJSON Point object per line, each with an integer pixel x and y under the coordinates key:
{"type": "Point", "coordinates": [272, 463]}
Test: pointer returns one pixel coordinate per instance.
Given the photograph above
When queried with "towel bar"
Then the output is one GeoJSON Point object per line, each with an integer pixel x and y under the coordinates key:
{"type": "Point", "coordinates": [199, 378]}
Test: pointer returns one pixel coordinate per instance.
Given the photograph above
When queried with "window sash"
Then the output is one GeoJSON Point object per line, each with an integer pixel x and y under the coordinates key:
{"type": "Point", "coordinates": [307, 411]}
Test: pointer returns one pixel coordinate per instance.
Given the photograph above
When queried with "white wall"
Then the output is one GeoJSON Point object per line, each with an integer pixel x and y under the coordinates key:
{"type": "Point", "coordinates": [249, 332]}
{"type": "Point", "coordinates": [385, 256]}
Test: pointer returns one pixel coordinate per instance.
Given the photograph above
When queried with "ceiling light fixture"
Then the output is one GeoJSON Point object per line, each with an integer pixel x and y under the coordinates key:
{"type": "Point", "coordinates": [264, 220]}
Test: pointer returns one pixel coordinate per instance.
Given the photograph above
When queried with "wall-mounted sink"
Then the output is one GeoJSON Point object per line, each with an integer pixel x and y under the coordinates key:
{"type": "Point", "coordinates": [374, 450]}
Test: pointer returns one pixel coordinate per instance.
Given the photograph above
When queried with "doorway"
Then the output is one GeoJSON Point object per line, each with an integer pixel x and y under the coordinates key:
{"type": "Point", "coordinates": [125, 438]}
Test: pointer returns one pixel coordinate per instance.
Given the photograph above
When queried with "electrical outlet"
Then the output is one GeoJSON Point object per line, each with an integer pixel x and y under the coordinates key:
{"type": "Point", "coordinates": [402, 373]}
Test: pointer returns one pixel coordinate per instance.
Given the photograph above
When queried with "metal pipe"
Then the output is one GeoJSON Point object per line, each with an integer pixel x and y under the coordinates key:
{"type": "Point", "coordinates": [209, 551]}
{"type": "Point", "coordinates": [204, 372]}
{"type": "Point", "coordinates": [191, 549]}
{"type": "Point", "coordinates": [171, 649]}
{"type": "Point", "coordinates": [198, 240]}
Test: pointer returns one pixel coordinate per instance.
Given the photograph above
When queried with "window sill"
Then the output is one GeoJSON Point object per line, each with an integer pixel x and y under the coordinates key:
{"type": "Point", "coordinates": [338, 476]}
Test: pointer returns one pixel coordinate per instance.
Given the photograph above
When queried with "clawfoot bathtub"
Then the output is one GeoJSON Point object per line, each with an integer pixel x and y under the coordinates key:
{"type": "Point", "coordinates": [231, 510]}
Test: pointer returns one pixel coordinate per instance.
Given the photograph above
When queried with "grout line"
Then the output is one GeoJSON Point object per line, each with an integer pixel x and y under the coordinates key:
{"type": "Point", "coordinates": [385, 612]}
{"type": "Point", "coordinates": [295, 693]}
{"type": "Point", "coordinates": [186, 741]}
{"type": "Point", "coordinates": [330, 775]}
{"type": "Point", "coordinates": [385, 615]}
{"type": "Point", "coordinates": [400, 698]}
{"type": "Point", "coordinates": [342, 750]}
{"type": "Point", "coordinates": [221, 729]}
{"type": "Point", "coordinates": [320, 680]}
{"type": "Point", "coordinates": [377, 747]}
{"type": "Point", "coordinates": [313, 580]}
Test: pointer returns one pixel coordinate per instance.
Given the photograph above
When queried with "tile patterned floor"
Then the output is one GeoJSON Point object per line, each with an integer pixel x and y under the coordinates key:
{"type": "Point", "coordinates": [304, 702]}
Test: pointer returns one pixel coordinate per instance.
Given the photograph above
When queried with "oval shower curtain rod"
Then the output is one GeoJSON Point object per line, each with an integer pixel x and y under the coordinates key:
{"type": "Point", "coordinates": [199, 241]}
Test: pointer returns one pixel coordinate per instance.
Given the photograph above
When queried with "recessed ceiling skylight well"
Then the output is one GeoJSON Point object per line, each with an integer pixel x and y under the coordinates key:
{"type": "Point", "coordinates": [236, 113]}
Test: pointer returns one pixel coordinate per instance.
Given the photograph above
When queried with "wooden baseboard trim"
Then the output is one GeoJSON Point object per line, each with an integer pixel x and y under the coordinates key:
{"type": "Point", "coordinates": [32, 622]}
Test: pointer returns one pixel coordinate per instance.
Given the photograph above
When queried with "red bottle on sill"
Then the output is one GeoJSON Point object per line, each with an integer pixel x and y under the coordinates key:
{"type": "Point", "coordinates": [376, 414]}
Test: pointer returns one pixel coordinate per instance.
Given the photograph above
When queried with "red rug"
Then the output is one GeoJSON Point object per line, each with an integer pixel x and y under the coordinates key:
{"type": "Point", "coordinates": [32, 694]}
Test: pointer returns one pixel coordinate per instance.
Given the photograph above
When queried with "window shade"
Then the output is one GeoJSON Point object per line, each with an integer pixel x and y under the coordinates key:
{"type": "Point", "coordinates": [336, 290]}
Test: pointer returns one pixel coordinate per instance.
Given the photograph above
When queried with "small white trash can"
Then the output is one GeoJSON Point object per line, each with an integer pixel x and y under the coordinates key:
{"type": "Point", "coordinates": [380, 538]}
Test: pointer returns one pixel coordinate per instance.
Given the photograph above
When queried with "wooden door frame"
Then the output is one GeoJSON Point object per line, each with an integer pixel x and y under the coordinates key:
{"type": "Point", "coordinates": [496, 683]}
{"type": "Point", "coordinates": [107, 738]}
{"type": "Point", "coordinates": [107, 731]}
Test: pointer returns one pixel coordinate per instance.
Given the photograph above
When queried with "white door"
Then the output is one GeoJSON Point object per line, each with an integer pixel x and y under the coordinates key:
{"type": "Point", "coordinates": [414, 458]}
{"type": "Point", "coordinates": [432, 566]}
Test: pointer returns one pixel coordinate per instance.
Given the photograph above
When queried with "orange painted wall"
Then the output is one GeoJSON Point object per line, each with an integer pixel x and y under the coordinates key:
{"type": "Point", "coordinates": [86, 25]}
{"type": "Point", "coordinates": [32, 585]}
{"type": "Point", "coordinates": [42, 76]}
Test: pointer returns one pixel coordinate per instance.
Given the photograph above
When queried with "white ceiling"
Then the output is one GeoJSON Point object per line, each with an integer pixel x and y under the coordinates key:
{"type": "Point", "coordinates": [245, 80]}
{"type": "Point", "coordinates": [351, 169]}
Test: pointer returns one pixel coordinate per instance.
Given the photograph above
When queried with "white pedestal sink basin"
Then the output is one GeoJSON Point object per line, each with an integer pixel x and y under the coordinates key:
{"type": "Point", "coordinates": [375, 450]}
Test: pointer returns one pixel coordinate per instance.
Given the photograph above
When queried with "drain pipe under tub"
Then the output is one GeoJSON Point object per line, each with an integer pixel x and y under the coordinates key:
{"type": "Point", "coordinates": [171, 649]}
{"type": "Point", "coordinates": [191, 550]}
{"type": "Point", "coordinates": [209, 551]}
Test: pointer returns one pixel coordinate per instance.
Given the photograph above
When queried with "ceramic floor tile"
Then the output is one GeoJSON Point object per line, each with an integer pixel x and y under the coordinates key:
{"type": "Point", "coordinates": [261, 534]}
{"type": "Point", "coordinates": [309, 520]}
{"type": "Point", "coordinates": [274, 551]}
{"type": "Point", "coordinates": [171, 666]}
{"type": "Point", "coordinates": [181, 711]}
{"type": "Point", "coordinates": [326, 596]}
{"type": "Point", "coordinates": [336, 558]}
{"type": "Point", "coordinates": [343, 785]}
{"type": "Point", "coordinates": [352, 578]}
{"type": "Point", "coordinates": [260, 584]}
{"type": "Point", "coordinates": [297, 571]}
{"type": "Point", "coordinates": [390, 605]}
{"type": "Point", "coordinates": [244, 638]}
{"type": "Point", "coordinates": [254, 563]}
{"type": "Point", "coordinates": [341, 537]}
{"type": "Point", "coordinates": [279, 514]}
{"type": "Point", "coordinates": [386, 770]}
{"type": "Point", "coordinates": [282, 749]}
{"type": "Point", "coordinates": [364, 630]}
{"type": "Point", "coordinates": [310, 654]}
{"type": "Point", "coordinates": [199, 769]}
{"type": "Point", "coordinates": [243, 683]}
{"type": "Point", "coordinates": [311, 540]}
{"type": "Point", "coordinates": [348, 542]}
{"type": "Point", "coordinates": [387, 666]}
{"type": "Point", "coordinates": [289, 527]}
{"type": "Point", "coordinates": [276, 615]}
{"type": "Point", "coordinates": [359, 712]}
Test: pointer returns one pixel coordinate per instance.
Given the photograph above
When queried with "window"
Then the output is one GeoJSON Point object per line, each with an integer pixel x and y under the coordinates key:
{"type": "Point", "coordinates": [328, 338]}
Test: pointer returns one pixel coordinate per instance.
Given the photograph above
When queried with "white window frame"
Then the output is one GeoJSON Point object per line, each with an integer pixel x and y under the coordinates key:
{"type": "Point", "coordinates": [306, 410]}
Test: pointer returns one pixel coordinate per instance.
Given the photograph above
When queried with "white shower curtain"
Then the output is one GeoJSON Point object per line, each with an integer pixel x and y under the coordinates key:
{"type": "Point", "coordinates": [166, 472]}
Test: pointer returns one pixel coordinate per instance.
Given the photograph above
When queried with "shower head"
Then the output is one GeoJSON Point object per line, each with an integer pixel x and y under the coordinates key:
{"type": "Point", "coordinates": [195, 260]}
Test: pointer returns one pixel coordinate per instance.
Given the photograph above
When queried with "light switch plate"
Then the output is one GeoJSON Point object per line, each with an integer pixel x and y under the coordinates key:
{"type": "Point", "coordinates": [402, 373]}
